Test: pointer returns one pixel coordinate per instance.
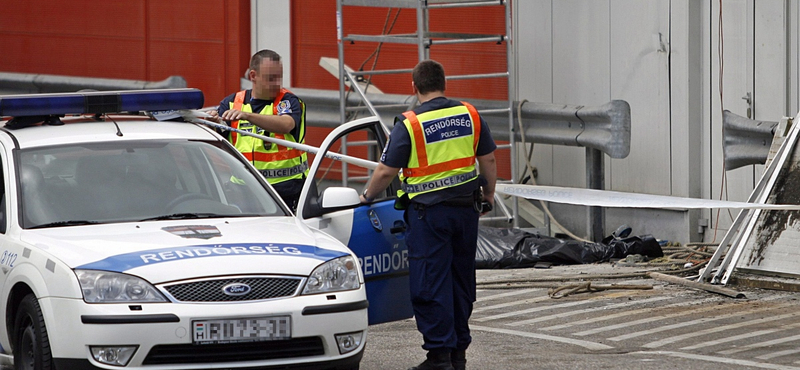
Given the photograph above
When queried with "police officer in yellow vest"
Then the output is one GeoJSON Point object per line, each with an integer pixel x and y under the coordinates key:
{"type": "Point", "coordinates": [270, 110]}
{"type": "Point", "coordinates": [436, 145]}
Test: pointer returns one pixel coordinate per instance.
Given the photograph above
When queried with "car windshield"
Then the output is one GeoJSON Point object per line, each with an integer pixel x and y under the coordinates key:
{"type": "Point", "coordinates": [137, 181]}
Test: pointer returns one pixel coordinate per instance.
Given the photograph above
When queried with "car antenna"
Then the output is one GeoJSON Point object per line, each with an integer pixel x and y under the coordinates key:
{"type": "Point", "coordinates": [119, 132]}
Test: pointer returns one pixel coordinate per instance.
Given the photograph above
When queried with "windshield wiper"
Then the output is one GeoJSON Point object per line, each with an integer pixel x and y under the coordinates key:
{"type": "Point", "coordinates": [65, 223]}
{"type": "Point", "coordinates": [183, 216]}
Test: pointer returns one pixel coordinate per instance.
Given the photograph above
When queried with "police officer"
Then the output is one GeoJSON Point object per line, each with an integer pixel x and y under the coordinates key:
{"type": "Point", "coordinates": [270, 110]}
{"type": "Point", "coordinates": [437, 145]}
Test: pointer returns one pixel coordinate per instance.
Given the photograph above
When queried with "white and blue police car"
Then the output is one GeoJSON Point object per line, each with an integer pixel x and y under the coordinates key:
{"type": "Point", "coordinates": [127, 242]}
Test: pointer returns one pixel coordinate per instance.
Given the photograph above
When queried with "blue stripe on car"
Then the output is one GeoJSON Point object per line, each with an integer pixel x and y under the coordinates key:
{"type": "Point", "coordinates": [127, 261]}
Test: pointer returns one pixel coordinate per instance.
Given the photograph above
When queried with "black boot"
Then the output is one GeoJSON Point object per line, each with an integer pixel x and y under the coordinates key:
{"type": "Point", "coordinates": [459, 360]}
{"type": "Point", "coordinates": [435, 361]}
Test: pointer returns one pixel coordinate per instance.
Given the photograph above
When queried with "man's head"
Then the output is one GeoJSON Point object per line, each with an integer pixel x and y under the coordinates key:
{"type": "Point", "coordinates": [428, 77]}
{"type": "Point", "coordinates": [266, 74]}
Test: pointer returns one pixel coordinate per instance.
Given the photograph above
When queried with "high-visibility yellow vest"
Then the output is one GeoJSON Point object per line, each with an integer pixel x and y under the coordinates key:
{"type": "Point", "coordinates": [276, 163]}
{"type": "Point", "coordinates": [443, 146]}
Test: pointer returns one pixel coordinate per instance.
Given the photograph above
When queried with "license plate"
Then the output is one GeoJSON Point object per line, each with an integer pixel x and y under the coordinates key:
{"type": "Point", "coordinates": [241, 330]}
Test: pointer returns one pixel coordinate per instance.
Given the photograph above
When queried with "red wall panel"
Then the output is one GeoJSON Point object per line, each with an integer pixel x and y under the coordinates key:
{"type": "Point", "coordinates": [205, 41]}
{"type": "Point", "coordinates": [208, 43]}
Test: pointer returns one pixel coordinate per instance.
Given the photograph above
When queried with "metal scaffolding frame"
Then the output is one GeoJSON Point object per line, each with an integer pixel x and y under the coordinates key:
{"type": "Point", "coordinates": [424, 39]}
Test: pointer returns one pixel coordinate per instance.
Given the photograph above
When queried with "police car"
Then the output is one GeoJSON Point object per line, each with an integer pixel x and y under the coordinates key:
{"type": "Point", "coordinates": [127, 242]}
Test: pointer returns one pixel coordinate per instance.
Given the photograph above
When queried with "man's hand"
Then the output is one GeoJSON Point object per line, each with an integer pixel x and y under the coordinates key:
{"type": "Point", "coordinates": [488, 199]}
{"type": "Point", "coordinates": [213, 116]}
{"type": "Point", "coordinates": [234, 115]}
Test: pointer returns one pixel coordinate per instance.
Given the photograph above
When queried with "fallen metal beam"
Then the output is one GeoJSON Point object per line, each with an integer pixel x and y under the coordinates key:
{"type": "Point", "coordinates": [693, 284]}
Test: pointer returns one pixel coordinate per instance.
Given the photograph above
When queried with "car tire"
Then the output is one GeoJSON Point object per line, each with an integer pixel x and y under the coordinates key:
{"type": "Point", "coordinates": [31, 345]}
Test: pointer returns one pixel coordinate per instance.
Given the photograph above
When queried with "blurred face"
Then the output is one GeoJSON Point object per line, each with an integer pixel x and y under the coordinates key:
{"type": "Point", "coordinates": [267, 79]}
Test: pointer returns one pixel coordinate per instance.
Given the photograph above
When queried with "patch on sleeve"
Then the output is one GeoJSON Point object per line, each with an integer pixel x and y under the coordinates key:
{"type": "Point", "coordinates": [385, 148]}
{"type": "Point", "coordinates": [284, 107]}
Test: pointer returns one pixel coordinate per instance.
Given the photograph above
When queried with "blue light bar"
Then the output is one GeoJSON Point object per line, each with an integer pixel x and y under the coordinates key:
{"type": "Point", "coordinates": [100, 102]}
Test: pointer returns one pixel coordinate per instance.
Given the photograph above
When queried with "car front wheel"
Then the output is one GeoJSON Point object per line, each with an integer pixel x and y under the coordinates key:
{"type": "Point", "coordinates": [31, 346]}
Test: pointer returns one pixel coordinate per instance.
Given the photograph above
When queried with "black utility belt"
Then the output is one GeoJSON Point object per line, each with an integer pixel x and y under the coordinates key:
{"type": "Point", "coordinates": [462, 201]}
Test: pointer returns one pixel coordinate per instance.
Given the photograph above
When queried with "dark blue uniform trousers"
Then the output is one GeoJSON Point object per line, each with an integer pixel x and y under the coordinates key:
{"type": "Point", "coordinates": [441, 241]}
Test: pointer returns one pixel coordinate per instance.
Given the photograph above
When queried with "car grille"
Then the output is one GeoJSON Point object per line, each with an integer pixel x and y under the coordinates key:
{"type": "Point", "coordinates": [234, 352]}
{"type": "Point", "coordinates": [212, 290]}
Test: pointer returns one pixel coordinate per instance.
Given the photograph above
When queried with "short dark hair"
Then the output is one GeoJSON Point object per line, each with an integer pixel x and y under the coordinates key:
{"type": "Point", "coordinates": [258, 57]}
{"type": "Point", "coordinates": [428, 76]}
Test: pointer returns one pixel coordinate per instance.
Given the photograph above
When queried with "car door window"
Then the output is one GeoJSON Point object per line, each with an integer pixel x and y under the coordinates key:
{"type": "Point", "coordinates": [366, 143]}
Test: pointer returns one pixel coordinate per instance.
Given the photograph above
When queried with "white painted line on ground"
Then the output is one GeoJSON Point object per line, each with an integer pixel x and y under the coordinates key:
{"type": "Point", "coordinates": [740, 336]}
{"type": "Point", "coordinates": [693, 322]}
{"type": "Point", "coordinates": [511, 304]}
{"type": "Point", "coordinates": [731, 339]}
{"type": "Point", "coordinates": [741, 324]}
{"type": "Point", "coordinates": [507, 294]}
{"type": "Point", "coordinates": [586, 310]}
{"type": "Point", "coordinates": [651, 319]}
{"type": "Point", "coordinates": [582, 343]}
{"type": "Point", "coordinates": [629, 314]}
{"type": "Point", "coordinates": [548, 307]}
{"type": "Point", "coordinates": [534, 309]}
{"type": "Point", "coordinates": [760, 345]}
{"type": "Point", "coordinates": [779, 354]}
{"type": "Point", "coordinates": [722, 360]}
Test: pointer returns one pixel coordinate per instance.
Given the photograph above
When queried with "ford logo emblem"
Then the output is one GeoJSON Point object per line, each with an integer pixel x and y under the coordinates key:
{"type": "Point", "coordinates": [236, 289]}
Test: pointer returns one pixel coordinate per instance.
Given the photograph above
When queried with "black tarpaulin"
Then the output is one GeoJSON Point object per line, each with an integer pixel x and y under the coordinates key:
{"type": "Point", "coordinates": [500, 248]}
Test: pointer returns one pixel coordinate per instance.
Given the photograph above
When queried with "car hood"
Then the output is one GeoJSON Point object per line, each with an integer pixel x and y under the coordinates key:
{"type": "Point", "coordinates": [162, 251]}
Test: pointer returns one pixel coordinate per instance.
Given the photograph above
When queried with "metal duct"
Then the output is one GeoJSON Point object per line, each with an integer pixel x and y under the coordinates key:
{"type": "Point", "coordinates": [746, 141]}
{"type": "Point", "coordinates": [23, 83]}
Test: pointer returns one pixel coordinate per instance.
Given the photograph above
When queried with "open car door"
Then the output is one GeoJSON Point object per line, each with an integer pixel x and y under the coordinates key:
{"type": "Point", "coordinates": [375, 232]}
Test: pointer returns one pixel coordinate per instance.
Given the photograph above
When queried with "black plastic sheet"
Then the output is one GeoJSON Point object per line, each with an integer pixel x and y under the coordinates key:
{"type": "Point", "coordinates": [500, 248]}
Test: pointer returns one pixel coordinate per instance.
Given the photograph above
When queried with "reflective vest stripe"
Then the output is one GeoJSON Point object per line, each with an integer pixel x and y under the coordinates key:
{"type": "Point", "coordinates": [238, 101]}
{"type": "Point", "coordinates": [271, 157]}
{"type": "Point", "coordinates": [439, 167]}
{"type": "Point", "coordinates": [419, 140]}
{"type": "Point", "coordinates": [284, 172]}
{"type": "Point", "coordinates": [440, 183]}
{"type": "Point", "coordinates": [473, 113]}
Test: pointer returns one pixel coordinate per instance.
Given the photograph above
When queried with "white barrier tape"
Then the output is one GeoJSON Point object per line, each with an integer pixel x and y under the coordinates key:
{"type": "Point", "coordinates": [607, 198]}
{"type": "Point", "coordinates": [195, 116]}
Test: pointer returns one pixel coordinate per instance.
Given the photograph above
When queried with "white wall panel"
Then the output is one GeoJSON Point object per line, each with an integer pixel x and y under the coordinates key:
{"type": "Point", "coordinates": [639, 74]}
{"type": "Point", "coordinates": [686, 96]}
{"type": "Point", "coordinates": [771, 61]}
{"type": "Point", "coordinates": [793, 33]}
{"type": "Point", "coordinates": [737, 82]}
{"type": "Point", "coordinates": [535, 71]}
{"type": "Point", "coordinates": [580, 72]}
{"type": "Point", "coordinates": [271, 29]}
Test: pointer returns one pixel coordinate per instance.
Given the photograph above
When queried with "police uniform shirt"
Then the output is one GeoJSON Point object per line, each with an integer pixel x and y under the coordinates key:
{"type": "Point", "coordinates": [293, 109]}
{"type": "Point", "coordinates": [398, 151]}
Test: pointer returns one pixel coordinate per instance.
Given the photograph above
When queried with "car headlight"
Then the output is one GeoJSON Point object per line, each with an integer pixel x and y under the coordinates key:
{"type": "Point", "coordinates": [333, 276]}
{"type": "Point", "coordinates": [112, 287]}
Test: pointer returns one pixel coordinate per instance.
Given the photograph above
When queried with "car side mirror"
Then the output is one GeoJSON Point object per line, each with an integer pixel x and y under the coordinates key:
{"type": "Point", "coordinates": [339, 197]}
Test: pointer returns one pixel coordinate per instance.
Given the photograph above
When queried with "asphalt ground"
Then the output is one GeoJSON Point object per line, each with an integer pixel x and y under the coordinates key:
{"type": "Point", "coordinates": [630, 322]}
